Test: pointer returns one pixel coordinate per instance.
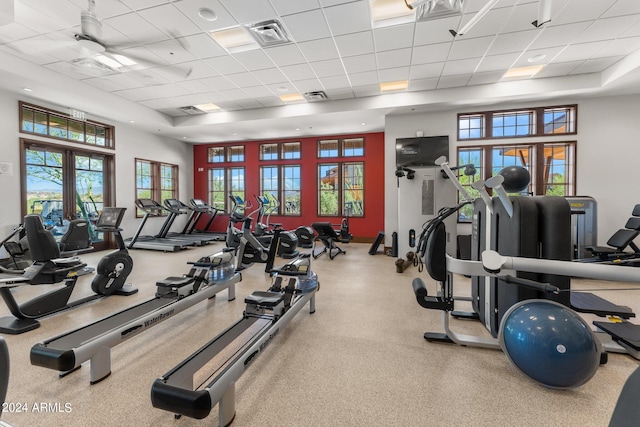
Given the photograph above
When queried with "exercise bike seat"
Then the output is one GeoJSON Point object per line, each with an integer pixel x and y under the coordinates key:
{"type": "Point", "coordinates": [264, 298]}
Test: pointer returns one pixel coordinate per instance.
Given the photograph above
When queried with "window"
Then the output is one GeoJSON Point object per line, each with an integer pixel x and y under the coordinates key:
{"type": "Point", "coordinates": [155, 180]}
{"type": "Point", "coordinates": [341, 189]}
{"type": "Point", "coordinates": [269, 152]}
{"type": "Point", "coordinates": [53, 124]}
{"type": "Point", "coordinates": [551, 167]}
{"type": "Point", "coordinates": [283, 183]}
{"type": "Point", "coordinates": [225, 181]}
{"type": "Point", "coordinates": [291, 150]}
{"type": "Point", "coordinates": [349, 147]}
{"type": "Point", "coordinates": [225, 154]}
{"type": "Point", "coordinates": [539, 121]}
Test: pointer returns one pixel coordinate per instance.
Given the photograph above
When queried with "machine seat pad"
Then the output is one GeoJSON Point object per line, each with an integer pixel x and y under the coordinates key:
{"type": "Point", "coordinates": [264, 298]}
{"type": "Point", "coordinates": [175, 282]}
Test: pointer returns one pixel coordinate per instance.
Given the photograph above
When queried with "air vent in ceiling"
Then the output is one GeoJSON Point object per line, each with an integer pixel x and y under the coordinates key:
{"type": "Point", "coordinates": [190, 109]}
{"type": "Point", "coordinates": [315, 96]}
{"type": "Point", "coordinates": [269, 33]}
{"type": "Point", "coordinates": [437, 9]}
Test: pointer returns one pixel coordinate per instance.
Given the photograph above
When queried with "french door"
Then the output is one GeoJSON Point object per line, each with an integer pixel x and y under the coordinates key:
{"type": "Point", "coordinates": [63, 183]}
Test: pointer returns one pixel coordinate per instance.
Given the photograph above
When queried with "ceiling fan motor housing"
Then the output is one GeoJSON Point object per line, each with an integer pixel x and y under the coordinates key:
{"type": "Point", "coordinates": [90, 24]}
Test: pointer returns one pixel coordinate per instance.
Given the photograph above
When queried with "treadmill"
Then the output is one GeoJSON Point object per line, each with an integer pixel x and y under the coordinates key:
{"type": "Point", "coordinates": [176, 208]}
{"type": "Point", "coordinates": [152, 208]}
{"type": "Point", "coordinates": [198, 208]}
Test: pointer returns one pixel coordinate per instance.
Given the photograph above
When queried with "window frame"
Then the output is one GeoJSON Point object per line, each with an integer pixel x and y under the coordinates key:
{"type": "Point", "coordinates": [537, 127]}
{"type": "Point", "coordinates": [157, 190]}
{"type": "Point", "coordinates": [50, 114]}
{"type": "Point", "coordinates": [228, 188]}
{"type": "Point", "coordinates": [340, 148]}
{"type": "Point", "coordinates": [282, 190]}
{"type": "Point", "coordinates": [339, 188]}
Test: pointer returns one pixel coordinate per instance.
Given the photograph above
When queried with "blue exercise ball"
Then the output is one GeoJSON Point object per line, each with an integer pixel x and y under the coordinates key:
{"type": "Point", "coordinates": [516, 178]}
{"type": "Point", "coordinates": [549, 343]}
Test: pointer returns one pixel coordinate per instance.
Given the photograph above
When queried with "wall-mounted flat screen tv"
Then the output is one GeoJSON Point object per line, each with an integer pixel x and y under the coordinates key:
{"type": "Point", "coordinates": [421, 151]}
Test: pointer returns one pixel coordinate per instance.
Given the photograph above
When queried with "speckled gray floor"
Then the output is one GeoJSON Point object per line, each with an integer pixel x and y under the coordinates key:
{"type": "Point", "coordinates": [360, 360]}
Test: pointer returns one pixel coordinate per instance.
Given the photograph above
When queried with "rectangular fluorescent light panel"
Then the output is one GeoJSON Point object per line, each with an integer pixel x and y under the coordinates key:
{"type": "Point", "coordinates": [127, 62]}
{"type": "Point", "coordinates": [385, 13]}
{"type": "Point", "coordinates": [209, 107]}
{"type": "Point", "coordinates": [235, 39]}
{"type": "Point", "coordinates": [523, 72]}
{"type": "Point", "coordinates": [291, 97]}
{"type": "Point", "coordinates": [391, 86]}
{"type": "Point", "coordinates": [109, 62]}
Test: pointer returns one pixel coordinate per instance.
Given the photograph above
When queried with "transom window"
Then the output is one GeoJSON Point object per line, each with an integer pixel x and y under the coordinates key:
{"type": "Point", "coordinates": [54, 124]}
{"type": "Point", "coordinates": [277, 151]}
{"type": "Point", "coordinates": [348, 147]}
{"type": "Point", "coordinates": [524, 122]}
{"type": "Point", "coordinates": [225, 154]}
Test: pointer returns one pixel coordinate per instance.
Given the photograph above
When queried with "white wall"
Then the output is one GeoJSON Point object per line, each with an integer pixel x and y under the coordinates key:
{"type": "Point", "coordinates": [608, 153]}
{"type": "Point", "coordinates": [130, 143]}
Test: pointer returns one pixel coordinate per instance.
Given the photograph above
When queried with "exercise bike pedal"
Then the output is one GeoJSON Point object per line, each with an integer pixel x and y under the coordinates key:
{"type": "Point", "coordinates": [438, 337]}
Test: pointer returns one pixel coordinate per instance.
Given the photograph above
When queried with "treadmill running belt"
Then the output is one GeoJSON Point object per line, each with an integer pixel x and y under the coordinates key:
{"type": "Point", "coordinates": [625, 332]}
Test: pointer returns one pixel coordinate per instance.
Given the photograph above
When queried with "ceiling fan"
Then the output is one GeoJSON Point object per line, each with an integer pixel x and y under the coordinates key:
{"type": "Point", "coordinates": [108, 57]}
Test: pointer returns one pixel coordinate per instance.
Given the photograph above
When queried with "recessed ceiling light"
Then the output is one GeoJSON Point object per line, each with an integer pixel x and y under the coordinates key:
{"type": "Point", "coordinates": [536, 58]}
{"type": "Point", "coordinates": [208, 107]}
{"type": "Point", "coordinates": [391, 86]}
{"type": "Point", "coordinates": [521, 72]}
{"type": "Point", "coordinates": [235, 133]}
{"type": "Point", "coordinates": [282, 89]}
{"type": "Point", "coordinates": [363, 123]}
{"type": "Point", "coordinates": [27, 89]}
{"type": "Point", "coordinates": [207, 14]}
{"type": "Point", "coordinates": [235, 39]}
{"type": "Point", "coordinates": [297, 128]}
{"type": "Point", "coordinates": [291, 97]}
{"type": "Point", "coordinates": [132, 121]}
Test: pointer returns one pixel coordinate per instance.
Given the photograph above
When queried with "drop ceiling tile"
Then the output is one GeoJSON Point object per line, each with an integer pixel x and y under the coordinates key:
{"type": "Point", "coordinates": [326, 3]}
{"type": "Point", "coordinates": [248, 104]}
{"type": "Point", "coordinates": [199, 70]}
{"type": "Point", "coordinates": [461, 66]}
{"type": "Point", "coordinates": [139, 94]}
{"type": "Point", "coordinates": [579, 52]}
{"type": "Point", "coordinates": [194, 86]}
{"type": "Point", "coordinates": [435, 31]}
{"type": "Point", "coordinates": [272, 101]}
{"type": "Point", "coordinates": [214, 97]}
{"type": "Point", "coordinates": [254, 59]}
{"type": "Point", "coordinates": [579, 10]}
{"type": "Point", "coordinates": [168, 91]}
{"type": "Point", "coordinates": [560, 35]}
{"type": "Point", "coordinates": [157, 104]}
{"type": "Point", "coordinates": [363, 79]}
{"type": "Point", "coordinates": [202, 46]}
{"type": "Point", "coordinates": [396, 37]}
{"type": "Point", "coordinates": [488, 77]}
{"type": "Point", "coordinates": [288, 87]}
{"type": "Point", "coordinates": [302, 86]}
{"type": "Point", "coordinates": [469, 48]}
{"type": "Point", "coordinates": [349, 17]}
{"type": "Point", "coordinates": [170, 20]}
{"type": "Point", "coordinates": [190, 9]}
{"type": "Point", "coordinates": [297, 72]}
{"type": "Point", "coordinates": [319, 50]}
{"type": "Point", "coordinates": [218, 83]}
{"type": "Point", "coordinates": [558, 69]}
{"type": "Point", "coordinates": [46, 16]}
{"type": "Point", "coordinates": [453, 81]}
{"type": "Point", "coordinates": [633, 31]}
{"type": "Point", "coordinates": [623, 7]}
{"type": "Point", "coordinates": [522, 17]}
{"type": "Point", "coordinates": [497, 62]}
{"type": "Point", "coordinates": [143, 4]}
{"type": "Point", "coordinates": [288, 7]}
{"type": "Point", "coordinates": [229, 106]}
{"type": "Point", "coordinates": [257, 91]}
{"type": "Point", "coordinates": [241, 80]}
{"type": "Point", "coordinates": [226, 64]}
{"type": "Point", "coordinates": [245, 13]}
{"type": "Point", "coordinates": [394, 74]}
{"type": "Point", "coordinates": [368, 90]}
{"type": "Point", "coordinates": [306, 26]}
{"type": "Point", "coordinates": [126, 80]}
{"type": "Point", "coordinates": [234, 94]}
{"type": "Point", "coordinates": [355, 44]}
{"type": "Point", "coordinates": [430, 53]}
{"type": "Point", "coordinates": [14, 31]}
{"type": "Point", "coordinates": [549, 55]}
{"type": "Point", "coordinates": [511, 42]}
{"type": "Point", "coordinates": [360, 63]}
{"type": "Point", "coordinates": [394, 58]}
{"type": "Point", "coordinates": [69, 70]}
{"type": "Point", "coordinates": [136, 28]}
{"type": "Point", "coordinates": [171, 51]}
{"type": "Point", "coordinates": [426, 71]}
{"type": "Point", "coordinates": [422, 84]}
{"type": "Point", "coordinates": [595, 65]}
{"type": "Point", "coordinates": [336, 94]}
{"type": "Point", "coordinates": [105, 84]}
{"type": "Point", "coordinates": [620, 47]}
{"type": "Point", "coordinates": [330, 67]}
{"type": "Point", "coordinates": [335, 82]}
{"type": "Point", "coordinates": [104, 9]}
{"type": "Point", "coordinates": [605, 29]}
{"type": "Point", "coordinates": [496, 19]}
{"type": "Point", "coordinates": [285, 55]}
{"type": "Point", "coordinates": [270, 76]}
{"type": "Point", "coordinates": [184, 100]}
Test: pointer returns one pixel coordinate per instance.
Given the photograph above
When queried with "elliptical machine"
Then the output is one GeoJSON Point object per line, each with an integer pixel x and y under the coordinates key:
{"type": "Point", "coordinates": [114, 268]}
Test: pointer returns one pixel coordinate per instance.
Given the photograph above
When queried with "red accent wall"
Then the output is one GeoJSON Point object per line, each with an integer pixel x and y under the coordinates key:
{"type": "Point", "coordinates": [366, 227]}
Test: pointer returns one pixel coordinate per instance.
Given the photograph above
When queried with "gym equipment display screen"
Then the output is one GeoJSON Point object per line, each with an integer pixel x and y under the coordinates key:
{"type": "Point", "coordinates": [421, 151]}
